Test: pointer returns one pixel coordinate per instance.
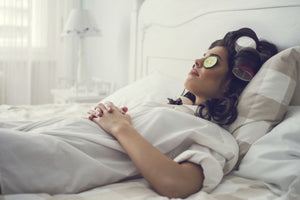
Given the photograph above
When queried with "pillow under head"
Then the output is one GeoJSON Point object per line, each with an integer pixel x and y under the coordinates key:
{"type": "Point", "coordinates": [264, 101]}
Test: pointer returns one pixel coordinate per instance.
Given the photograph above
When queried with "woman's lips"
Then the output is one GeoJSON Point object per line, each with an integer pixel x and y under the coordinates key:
{"type": "Point", "coordinates": [193, 72]}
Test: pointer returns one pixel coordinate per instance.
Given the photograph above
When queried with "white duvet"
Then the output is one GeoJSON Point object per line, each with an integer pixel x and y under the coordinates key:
{"type": "Point", "coordinates": [69, 155]}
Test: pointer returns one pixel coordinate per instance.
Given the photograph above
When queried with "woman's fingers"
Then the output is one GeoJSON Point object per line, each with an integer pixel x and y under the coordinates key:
{"type": "Point", "coordinates": [102, 108]}
{"type": "Point", "coordinates": [92, 114]}
{"type": "Point", "coordinates": [124, 110]}
{"type": "Point", "coordinates": [99, 112]}
{"type": "Point", "coordinates": [109, 106]}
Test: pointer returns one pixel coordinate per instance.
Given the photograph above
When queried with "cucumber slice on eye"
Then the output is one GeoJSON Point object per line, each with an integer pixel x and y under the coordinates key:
{"type": "Point", "coordinates": [210, 62]}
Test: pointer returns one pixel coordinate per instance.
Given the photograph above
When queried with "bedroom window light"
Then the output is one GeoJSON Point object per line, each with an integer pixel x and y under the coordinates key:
{"type": "Point", "coordinates": [27, 42]}
{"type": "Point", "coordinates": [25, 24]}
{"type": "Point", "coordinates": [14, 23]}
{"type": "Point", "coordinates": [31, 49]}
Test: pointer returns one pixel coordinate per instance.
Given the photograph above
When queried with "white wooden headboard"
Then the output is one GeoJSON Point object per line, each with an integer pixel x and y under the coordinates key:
{"type": "Point", "coordinates": [171, 34]}
{"type": "Point", "coordinates": [1, 88]}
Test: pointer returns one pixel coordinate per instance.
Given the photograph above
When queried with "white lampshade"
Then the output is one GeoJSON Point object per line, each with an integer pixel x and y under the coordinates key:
{"type": "Point", "coordinates": [81, 23]}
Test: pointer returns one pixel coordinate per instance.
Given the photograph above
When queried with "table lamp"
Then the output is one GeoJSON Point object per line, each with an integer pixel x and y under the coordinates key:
{"type": "Point", "coordinates": [80, 24]}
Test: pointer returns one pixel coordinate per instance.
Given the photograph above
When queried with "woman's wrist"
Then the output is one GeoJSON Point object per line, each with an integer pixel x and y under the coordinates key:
{"type": "Point", "coordinates": [123, 128]}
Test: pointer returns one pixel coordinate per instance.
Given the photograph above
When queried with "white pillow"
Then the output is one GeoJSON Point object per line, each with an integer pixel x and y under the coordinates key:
{"type": "Point", "coordinates": [275, 158]}
{"type": "Point", "coordinates": [155, 87]}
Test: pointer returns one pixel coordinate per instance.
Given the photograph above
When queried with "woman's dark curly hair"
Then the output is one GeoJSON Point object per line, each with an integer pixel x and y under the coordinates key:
{"type": "Point", "coordinates": [223, 111]}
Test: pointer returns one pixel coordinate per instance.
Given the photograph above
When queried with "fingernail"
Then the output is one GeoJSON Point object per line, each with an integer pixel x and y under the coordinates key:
{"type": "Point", "coordinates": [125, 109]}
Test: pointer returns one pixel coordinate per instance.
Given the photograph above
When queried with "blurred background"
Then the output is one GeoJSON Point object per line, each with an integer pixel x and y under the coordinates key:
{"type": "Point", "coordinates": [41, 48]}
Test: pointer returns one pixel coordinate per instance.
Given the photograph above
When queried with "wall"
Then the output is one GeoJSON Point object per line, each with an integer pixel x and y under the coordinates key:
{"type": "Point", "coordinates": [107, 57]}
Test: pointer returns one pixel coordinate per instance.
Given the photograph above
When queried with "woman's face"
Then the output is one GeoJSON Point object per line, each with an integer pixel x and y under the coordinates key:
{"type": "Point", "coordinates": [209, 83]}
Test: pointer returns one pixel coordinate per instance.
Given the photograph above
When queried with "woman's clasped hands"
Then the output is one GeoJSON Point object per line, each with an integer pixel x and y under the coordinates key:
{"type": "Point", "coordinates": [110, 117]}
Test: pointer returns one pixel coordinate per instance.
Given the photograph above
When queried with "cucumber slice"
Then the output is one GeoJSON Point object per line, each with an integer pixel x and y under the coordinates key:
{"type": "Point", "coordinates": [210, 62]}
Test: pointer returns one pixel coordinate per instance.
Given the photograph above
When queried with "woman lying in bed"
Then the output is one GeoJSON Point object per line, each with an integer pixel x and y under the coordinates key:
{"type": "Point", "coordinates": [177, 153]}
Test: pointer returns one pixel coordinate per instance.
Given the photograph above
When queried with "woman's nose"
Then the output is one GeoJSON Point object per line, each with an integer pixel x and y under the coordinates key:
{"type": "Point", "coordinates": [198, 63]}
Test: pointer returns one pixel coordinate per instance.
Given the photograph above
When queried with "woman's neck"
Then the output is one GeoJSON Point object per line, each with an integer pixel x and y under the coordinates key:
{"type": "Point", "coordinates": [200, 100]}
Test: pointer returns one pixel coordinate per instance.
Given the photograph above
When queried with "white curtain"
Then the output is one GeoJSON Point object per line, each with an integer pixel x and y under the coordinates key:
{"type": "Point", "coordinates": [33, 55]}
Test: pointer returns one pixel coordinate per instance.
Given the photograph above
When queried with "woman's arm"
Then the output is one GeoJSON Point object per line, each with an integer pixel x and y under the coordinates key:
{"type": "Point", "coordinates": [167, 177]}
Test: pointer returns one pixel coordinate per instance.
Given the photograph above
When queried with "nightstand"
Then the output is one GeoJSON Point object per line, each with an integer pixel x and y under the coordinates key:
{"type": "Point", "coordinates": [68, 96]}
{"type": "Point", "coordinates": [83, 94]}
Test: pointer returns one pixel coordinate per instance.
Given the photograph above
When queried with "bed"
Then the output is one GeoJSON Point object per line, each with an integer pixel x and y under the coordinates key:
{"type": "Point", "coordinates": [169, 35]}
